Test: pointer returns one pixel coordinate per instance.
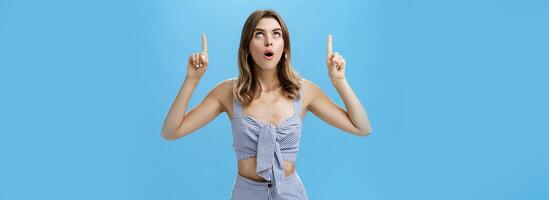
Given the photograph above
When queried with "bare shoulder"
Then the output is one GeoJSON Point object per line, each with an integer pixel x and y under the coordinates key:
{"type": "Point", "coordinates": [224, 86]}
{"type": "Point", "coordinates": [309, 86]}
{"type": "Point", "coordinates": [310, 91]}
{"type": "Point", "coordinates": [222, 92]}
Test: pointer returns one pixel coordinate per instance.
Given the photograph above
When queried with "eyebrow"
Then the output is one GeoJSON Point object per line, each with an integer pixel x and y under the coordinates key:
{"type": "Point", "coordinates": [260, 29]}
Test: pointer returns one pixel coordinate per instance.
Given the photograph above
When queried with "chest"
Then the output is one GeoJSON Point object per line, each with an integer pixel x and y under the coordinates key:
{"type": "Point", "coordinates": [270, 109]}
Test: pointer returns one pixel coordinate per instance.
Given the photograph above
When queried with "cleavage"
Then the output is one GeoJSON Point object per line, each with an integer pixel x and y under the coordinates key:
{"type": "Point", "coordinates": [273, 113]}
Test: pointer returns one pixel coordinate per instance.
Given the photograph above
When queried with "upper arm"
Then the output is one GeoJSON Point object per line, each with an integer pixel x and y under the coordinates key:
{"type": "Point", "coordinates": [324, 108]}
{"type": "Point", "coordinates": [210, 107]}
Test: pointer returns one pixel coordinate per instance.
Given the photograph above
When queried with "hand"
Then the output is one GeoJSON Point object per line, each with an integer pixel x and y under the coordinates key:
{"type": "Point", "coordinates": [198, 62]}
{"type": "Point", "coordinates": [335, 62]}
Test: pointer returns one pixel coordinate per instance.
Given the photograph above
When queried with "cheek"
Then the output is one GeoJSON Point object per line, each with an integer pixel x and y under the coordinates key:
{"type": "Point", "coordinates": [257, 43]}
{"type": "Point", "coordinates": [280, 47]}
{"type": "Point", "coordinates": [255, 48]}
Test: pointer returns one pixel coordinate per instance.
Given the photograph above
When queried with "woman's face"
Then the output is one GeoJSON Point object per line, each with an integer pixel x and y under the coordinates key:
{"type": "Point", "coordinates": [267, 44]}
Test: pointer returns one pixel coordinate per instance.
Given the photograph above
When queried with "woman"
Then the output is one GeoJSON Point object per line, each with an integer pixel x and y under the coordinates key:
{"type": "Point", "coordinates": [266, 105]}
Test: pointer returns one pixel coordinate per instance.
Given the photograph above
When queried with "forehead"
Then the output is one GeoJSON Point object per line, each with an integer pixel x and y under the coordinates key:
{"type": "Point", "coordinates": [268, 24]}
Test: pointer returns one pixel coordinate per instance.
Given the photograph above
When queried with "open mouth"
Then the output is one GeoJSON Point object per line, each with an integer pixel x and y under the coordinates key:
{"type": "Point", "coordinates": [268, 54]}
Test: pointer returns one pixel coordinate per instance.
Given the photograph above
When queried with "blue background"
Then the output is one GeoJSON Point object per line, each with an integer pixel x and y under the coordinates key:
{"type": "Point", "coordinates": [456, 92]}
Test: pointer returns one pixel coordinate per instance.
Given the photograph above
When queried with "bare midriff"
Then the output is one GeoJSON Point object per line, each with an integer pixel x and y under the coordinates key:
{"type": "Point", "coordinates": [246, 168]}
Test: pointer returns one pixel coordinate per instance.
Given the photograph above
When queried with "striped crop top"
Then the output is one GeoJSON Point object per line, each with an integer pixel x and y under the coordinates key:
{"type": "Point", "coordinates": [271, 144]}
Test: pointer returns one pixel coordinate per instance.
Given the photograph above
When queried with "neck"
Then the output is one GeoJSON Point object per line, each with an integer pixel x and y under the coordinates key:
{"type": "Point", "coordinates": [267, 79]}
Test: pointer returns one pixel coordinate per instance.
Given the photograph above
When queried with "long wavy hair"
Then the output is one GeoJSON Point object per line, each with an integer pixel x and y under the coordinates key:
{"type": "Point", "coordinates": [247, 83]}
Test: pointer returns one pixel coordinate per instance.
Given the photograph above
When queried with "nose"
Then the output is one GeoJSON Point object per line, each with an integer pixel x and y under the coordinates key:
{"type": "Point", "coordinates": [268, 41]}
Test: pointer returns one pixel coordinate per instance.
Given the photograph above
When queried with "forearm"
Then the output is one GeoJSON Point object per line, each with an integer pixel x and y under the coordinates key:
{"type": "Point", "coordinates": [355, 110]}
{"type": "Point", "coordinates": [176, 114]}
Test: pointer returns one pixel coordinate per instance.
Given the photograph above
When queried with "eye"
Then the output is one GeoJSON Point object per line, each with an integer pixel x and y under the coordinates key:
{"type": "Point", "coordinates": [277, 34]}
{"type": "Point", "coordinates": [258, 34]}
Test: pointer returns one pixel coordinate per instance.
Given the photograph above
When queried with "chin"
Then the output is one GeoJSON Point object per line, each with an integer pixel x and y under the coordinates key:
{"type": "Point", "coordinates": [267, 66]}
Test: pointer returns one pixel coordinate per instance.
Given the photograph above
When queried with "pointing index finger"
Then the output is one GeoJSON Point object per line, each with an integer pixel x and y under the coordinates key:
{"type": "Point", "coordinates": [329, 45]}
{"type": "Point", "coordinates": [204, 43]}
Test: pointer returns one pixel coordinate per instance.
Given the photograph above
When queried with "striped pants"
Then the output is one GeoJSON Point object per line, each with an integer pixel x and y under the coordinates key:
{"type": "Point", "coordinates": [247, 189]}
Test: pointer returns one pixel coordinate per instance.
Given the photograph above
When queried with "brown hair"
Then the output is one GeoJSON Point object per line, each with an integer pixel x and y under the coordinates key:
{"type": "Point", "coordinates": [246, 83]}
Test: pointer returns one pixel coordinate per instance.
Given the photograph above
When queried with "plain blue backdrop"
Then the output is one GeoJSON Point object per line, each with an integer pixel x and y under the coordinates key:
{"type": "Point", "coordinates": [456, 92]}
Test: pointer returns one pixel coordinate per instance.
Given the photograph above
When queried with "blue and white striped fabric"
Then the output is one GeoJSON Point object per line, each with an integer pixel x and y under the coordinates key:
{"type": "Point", "coordinates": [271, 144]}
{"type": "Point", "coordinates": [246, 189]}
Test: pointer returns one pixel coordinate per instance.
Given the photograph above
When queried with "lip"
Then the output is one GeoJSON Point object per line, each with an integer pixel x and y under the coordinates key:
{"type": "Point", "coordinates": [268, 57]}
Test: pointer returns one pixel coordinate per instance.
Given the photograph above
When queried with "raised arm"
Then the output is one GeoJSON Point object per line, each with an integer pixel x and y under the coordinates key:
{"type": "Point", "coordinates": [178, 123]}
{"type": "Point", "coordinates": [354, 119]}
